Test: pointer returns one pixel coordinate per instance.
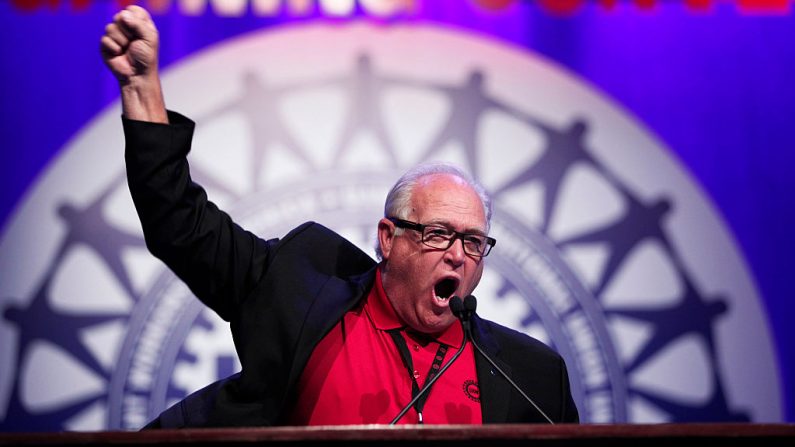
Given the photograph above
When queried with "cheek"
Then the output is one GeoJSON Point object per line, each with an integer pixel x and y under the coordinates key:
{"type": "Point", "coordinates": [476, 274]}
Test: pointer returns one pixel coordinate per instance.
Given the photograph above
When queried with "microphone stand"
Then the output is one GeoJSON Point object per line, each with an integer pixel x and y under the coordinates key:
{"type": "Point", "coordinates": [469, 305]}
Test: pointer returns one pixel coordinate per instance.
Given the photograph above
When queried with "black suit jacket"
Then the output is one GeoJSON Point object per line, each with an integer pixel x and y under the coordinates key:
{"type": "Point", "coordinates": [281, 296]}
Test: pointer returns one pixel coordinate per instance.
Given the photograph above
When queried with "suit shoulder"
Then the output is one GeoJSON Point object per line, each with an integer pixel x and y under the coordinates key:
{"type": "Point", "coordinates": [514, 341]}
{"type": "Point", "coordinates": [320, 248]}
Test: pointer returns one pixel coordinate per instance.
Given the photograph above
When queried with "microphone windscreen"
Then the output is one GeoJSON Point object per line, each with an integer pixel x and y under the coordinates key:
{"type": "Point", "coordinates": [470, 303]}
{"type": "Point", "coordinates": [456, 306]}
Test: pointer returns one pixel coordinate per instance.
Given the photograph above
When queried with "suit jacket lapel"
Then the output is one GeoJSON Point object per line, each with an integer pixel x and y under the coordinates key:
{"type": "Point", "coordinates": [495, 391]}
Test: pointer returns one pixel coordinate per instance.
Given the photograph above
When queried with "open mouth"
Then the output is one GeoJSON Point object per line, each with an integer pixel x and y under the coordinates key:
{"type": "Point", "coordinates": [445, 288]}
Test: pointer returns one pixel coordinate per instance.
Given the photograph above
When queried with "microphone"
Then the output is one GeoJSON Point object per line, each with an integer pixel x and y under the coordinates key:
{"type": "Point", "coordinates": [426, 389]}
{"type": "Point", "coordinates": [465, 312]}
{"type": "Point", "coordinates": [460, 310]}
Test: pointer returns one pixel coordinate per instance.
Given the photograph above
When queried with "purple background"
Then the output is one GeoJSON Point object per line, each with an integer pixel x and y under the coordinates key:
{"type": "Point", "coordinates": [716, 88]}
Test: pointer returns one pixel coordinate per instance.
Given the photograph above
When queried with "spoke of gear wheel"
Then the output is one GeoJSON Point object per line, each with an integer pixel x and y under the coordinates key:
{"type": "Point", "coordinates": [41, 321]}
{"type": "Point", "coordinates": [365, 91]}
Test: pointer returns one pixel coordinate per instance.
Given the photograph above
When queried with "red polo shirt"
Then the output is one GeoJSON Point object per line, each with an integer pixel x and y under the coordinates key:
{"type": "Point", "coordinates": [356, 374]}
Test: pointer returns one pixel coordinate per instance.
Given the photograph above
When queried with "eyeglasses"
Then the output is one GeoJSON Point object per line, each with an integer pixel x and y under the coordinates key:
{"type": "Point", "coordinates": [440, 237]}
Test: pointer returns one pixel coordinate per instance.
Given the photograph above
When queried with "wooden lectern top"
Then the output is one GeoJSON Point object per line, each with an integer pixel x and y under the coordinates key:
{"type": "Point", "coordinates": [680, 435]}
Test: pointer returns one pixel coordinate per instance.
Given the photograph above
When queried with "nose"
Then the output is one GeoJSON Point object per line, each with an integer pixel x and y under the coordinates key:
{"type": "Point", "coordinates": [455, 254]}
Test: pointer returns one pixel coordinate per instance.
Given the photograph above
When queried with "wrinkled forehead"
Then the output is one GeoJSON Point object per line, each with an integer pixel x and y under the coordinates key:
{"type": "Point", "coordinates": [448, 199]}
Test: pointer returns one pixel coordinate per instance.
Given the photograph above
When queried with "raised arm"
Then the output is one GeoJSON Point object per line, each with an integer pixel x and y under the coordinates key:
{"type": "Point", "coordinates": [129, 49]}
{"type": "Point", "coordinates": [218, 260]}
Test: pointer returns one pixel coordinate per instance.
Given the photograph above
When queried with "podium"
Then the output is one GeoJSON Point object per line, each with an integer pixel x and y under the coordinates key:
{"type": "Point", "coordinates": [680, 435]}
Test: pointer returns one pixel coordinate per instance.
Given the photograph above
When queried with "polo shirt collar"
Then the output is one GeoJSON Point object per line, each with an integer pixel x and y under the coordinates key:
{"type": "Point", "coordinates": [383, 317]}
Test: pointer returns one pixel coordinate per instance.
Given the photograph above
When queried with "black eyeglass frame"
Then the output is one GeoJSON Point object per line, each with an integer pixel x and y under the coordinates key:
{"type": "Point", "coordinates": [409, 225]}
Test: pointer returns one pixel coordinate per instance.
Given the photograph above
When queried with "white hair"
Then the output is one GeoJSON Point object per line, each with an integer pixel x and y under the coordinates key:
{"type": "Point", "coordinates": [398, 200]}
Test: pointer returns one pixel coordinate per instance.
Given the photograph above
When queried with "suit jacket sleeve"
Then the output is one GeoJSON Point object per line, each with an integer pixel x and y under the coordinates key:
{"type": "Point", "coordinates": [219, 261]}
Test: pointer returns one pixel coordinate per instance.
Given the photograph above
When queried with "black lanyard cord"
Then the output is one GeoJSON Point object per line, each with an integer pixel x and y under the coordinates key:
{"type": "Point", "coordinates": [420, 396]}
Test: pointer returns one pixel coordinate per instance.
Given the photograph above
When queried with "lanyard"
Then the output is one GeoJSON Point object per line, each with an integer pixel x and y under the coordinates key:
{"type": "Point", "coordinates": [403, 348]}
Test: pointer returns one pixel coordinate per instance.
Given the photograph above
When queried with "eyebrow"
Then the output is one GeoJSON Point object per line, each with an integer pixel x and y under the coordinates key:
{"type": "Point", "coordinates": [447, 224]}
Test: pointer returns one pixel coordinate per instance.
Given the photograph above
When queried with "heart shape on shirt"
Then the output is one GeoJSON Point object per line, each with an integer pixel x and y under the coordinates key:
{"type": "Point", "coordinates": [373, 405]}
{"type": "Point", "coordinates": [458, 413]}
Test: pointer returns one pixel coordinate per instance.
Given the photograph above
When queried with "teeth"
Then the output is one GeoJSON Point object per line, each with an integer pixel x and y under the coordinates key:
{"type": "Point", "coordinates": [441, 298]}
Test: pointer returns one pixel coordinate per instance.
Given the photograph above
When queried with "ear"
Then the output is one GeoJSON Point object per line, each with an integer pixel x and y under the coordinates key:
{"type": "Point", "coordinates": [386, 236]}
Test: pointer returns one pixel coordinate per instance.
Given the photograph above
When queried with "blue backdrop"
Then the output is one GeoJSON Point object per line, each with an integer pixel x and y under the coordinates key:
{"type": "Point", "coordinates": [715, 87]}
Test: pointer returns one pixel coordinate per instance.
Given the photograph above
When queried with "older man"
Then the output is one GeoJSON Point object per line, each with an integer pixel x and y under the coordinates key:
{"type": "Point", "coordinates": [325, 334]}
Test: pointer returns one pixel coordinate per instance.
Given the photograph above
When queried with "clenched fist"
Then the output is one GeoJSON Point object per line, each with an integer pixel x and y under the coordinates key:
{"type": "Point", "coordinates": [129, 48]}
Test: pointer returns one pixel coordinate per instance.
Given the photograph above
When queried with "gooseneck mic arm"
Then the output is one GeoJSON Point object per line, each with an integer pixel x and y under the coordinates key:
{"type": "Point", "coordinates": [426, 389]}
{"type": "Point", "coordinates": [465, 313]}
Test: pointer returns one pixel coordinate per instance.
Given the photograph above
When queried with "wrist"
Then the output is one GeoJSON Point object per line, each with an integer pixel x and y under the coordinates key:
{"type": "Point", "coordinates": [142, 99]}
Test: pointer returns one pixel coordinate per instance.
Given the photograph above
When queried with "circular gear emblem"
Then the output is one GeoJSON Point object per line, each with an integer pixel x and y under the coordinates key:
{"type": "Point", "coordinates": [607, 250]}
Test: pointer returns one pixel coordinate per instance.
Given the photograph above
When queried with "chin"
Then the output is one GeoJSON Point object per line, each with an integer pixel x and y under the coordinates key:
{"type": "Point", "coordinates": [438, 325]}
